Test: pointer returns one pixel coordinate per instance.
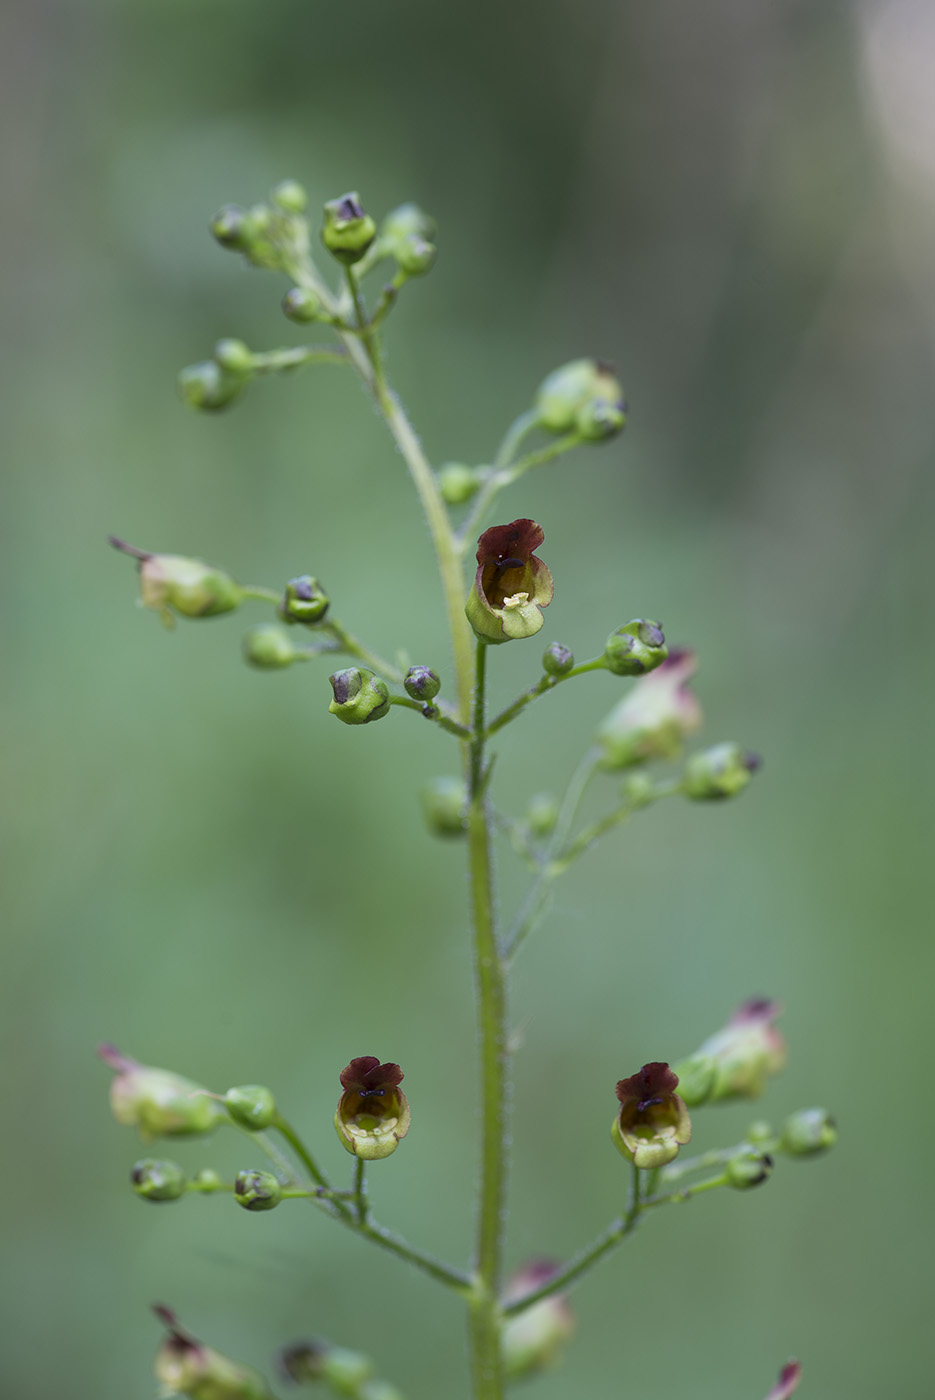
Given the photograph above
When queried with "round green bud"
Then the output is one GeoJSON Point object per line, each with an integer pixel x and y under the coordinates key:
{"type": "Point", "coordinates": [542, 814]}
{"type": "Point", "coordinates": [760, 1133]}
{"type": "Point", "coordinates": [638, 790]}
{"type": "Point", "coordinates": [347, 231]}
{"type": "Point", "coordinates": [344, 1370]}
{"type": "Point", "coordinates": [208, 386]}
{"type": "Point", "coordinates": [444, 806]}
{"type": "Point", "coordinates": [207, 1180]}
{"type": "Point", "coordinates": [378, 1389]}
{"type": "Point", "coordinates": [171, 582]}
{"type": "Point", "coordinates": [719, 772]}
{"type": "Point", "coordinates": [252, 1106]}
{"type": "Point", "coordinates": [230, 227]}
{"type": "Point", "coordinates": [234, 356]}
{"type": "Point", "coordinates": [696, 1075]}
{"type": "Point", "coordinates": [415, 255]}
{"type": "Point", "coordinates": [750, 1167]}
{"type": "Point", "coordinates": [635, 648]}
{"type": "Point", "coordinates": [562, 393]}
{"type": "Point", "coordinates": [557, 660]}
{"type": "Point", "coordinates": [256, 1190]}
{"type": "Point", "coordinates": [422, 684]}
{"type": "Point", "coordinates": [157, 1180]}
{"type": "Point", "coordinates": [597, 419]}
{"type": "Point", "coordinates": [301, 305]}
{"type": "Point", "coordinates": [359, 696]}
{"type": "Point", "coordinates": [406, 221]}
{"type": "Point", "coordinates": [290, 196]}
{"type": "Point", "coordinates": [808, 1132]}
{"type": "Point", "coordinates": [304, 600]}
{"type": "Point", "coordinates": [458, 483]}
{"type": "Point", "coordinates": [268, 647]}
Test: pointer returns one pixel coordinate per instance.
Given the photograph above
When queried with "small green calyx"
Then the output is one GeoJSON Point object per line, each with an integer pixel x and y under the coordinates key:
{"type": "Point", "coordinates": [304, 600]}
{"type": "Point", "coordinates": [637, 647]}
{"type": "Point", "coordinates": [444, 806]}
{"type": "Point", "coordinates": [583, 396]}
{"type": "Point", "coordinates": [407, 221]}
{"type": "Point", "coordinates": [347, 231]}
{"type": "Point", "coordinates": [302, 306]}
{"type": "Point", "coordinates": [748, 1168]}
{"type": "Point", "coordinates": [654, 718]}
{"type": "Point", "coordinates": [719, 772]}
{"type": "Point", "coordinates": [653, 1121]}
{"type": "Point", "coordinates": [234, 356]}
{"type": "Point", "coordinates": [359, 696]}
{"type": "Point", "coordinates": [535, 1339]}
{"type": "Point", "coordinates": [511, 586]}
{"type": "Point", "coordinates": [257, 1190]}
{"type": "Point", "coordinates": [541, 814]}
{"type": "Point", "coordinates": [421, 683]}
{"type": "Point", "coordinates": [557, 660]}
{"type": "Point", "coordinates": [185, 1366]}
{"type": "Point", "coordinates": [373, 1115]}
{"type": "Point", "coordinates": [290, 196]}
{"type": "Point", "coordinates": [346, 1371]}
{"type": "Point", "coordinates": [268, 647]}
{"type": "Point", "coordinates": [209, 386]}
{"type": "Point", "coordinates": [458, 483]}
{"type": "Point", "coordinates": [170, 583]}
{"type": "Point", "coordinates": [808, 1133]}
{"type": "Point", "coordinates": [696, 1075]}
{"type": "Point", "coordinates": [157, 1102]}
{"type": "Point", "coordinates": [414, 255]}
{"type": "Point", "coordinates": [157, 1180]}
{"type": "Point", "coordinates": [251, 1106]}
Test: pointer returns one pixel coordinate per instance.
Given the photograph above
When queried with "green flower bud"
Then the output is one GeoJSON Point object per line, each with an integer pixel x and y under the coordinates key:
{"type": "Point", "coordinates": [747, 1051]}
{"type": "Point", "coordinates": [542, 814]}
{"type": "Point", "coordinates": [653, 1121]}
{"type": "Point", "coordinates": [304, 601]}
{"type": "Point", "coordinates": [512, 584]}
{"type": "Point", "coordinates": [415, 255]}
{"type": "Point", "coordinates": [208, 386]}
{"type": "Point", "coordinates": [234, 356]}
{"type": "Point", "coordinates": [637, 647]}
{"type": "Point", "coordinates": [696, 1078]}
{"type": "Point", "coordinates": [157, 1102]}
{"type": "Point", "coordinates": [268, 647]}
{"type": "Point", "coordinates": [347, 231]}
{"type": "Point", "coordinates": [207, 1180]}
{"type": "Point", "coordinates": [169, 582]}
{"type": "Point", "coordinates": [444, 806]}
{"type": "Point", "coordinates": [422, 684]}
{"type": "Point", "coordinates": [157, 1180]}
{"type": "Point", "coordinates": [378, 1390]}
{"type": "Point", "coordinates": [346, 1371]}
{"type": "Point", "coordinates": [302, 306]}
{"type": "Point", "coordinates": [760, 1132]}
{"type": "Point", "coordinates": [534, 1340]}
{"type": "Point", "coordinates": [582, 396]}
{"type": "Point", "coordinates": [750, 1167]}
{"type": "Point", "coordinates": [406, 221]}
{"type": "Point", "coordinates": [256, 1190]}
{"type": "Point", "coordinates": [184, 1366]}
{"type": "Point", "coordinates": [718, 772]}
{"type": "Point", "coordinates": [458, 483]}
{"type": "Point", "coordinates": [372, 1116]}
{"type": "Point", "coordinates": [557, 660]}
{"type": "Point", "coordinates": [359, 696]}
{"type": "Point", "coordinates": [230, 227]}
{"type": "Point", "coordinates": [653, 719]}
{"type": "Point", "coordinates": [251, 1106]}
{"type": "Point", "coordinates": [290, 196]}
{"type": "Point", "coordinates": [639, 790]}
{"type": "Point", "coordinates": [808, 1132]}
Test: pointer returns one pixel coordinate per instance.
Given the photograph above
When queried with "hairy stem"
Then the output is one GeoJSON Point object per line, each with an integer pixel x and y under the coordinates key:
{"type": "Point", "coordinates": [491, 1004]}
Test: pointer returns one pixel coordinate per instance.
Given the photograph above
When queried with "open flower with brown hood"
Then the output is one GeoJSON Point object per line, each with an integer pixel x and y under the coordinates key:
{"type": "Point", "coordinates": [373, 1112]}
{"type": "Point", "coordinates": [653, 1122]}
{"type": "Point", "coordinates": [511, 585]}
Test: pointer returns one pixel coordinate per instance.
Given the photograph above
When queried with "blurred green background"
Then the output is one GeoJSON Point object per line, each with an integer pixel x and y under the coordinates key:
{"type": "Point", "coordinates": [735, 203]}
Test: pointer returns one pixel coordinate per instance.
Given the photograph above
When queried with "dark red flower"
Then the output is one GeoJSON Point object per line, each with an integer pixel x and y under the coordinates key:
{"type": "Point", "coordinates": [653, 1122]}
{"type": "Point", "coordinates": [373, 1112]}
{"type": "Point", "coordinates": [511, 585]}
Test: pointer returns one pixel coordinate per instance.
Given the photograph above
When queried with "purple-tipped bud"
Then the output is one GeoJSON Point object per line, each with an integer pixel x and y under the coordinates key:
{"type": "Point", "coordinates": [157, 1180]}
{"type": "Point", "coordinates": [347, 231]}
{"type": "Point", "coordinates": [257, 1190]}
{"type": "Point", "coordinates": [185, 1366]}
{"type": "Point", "coordinates": [747, 1051]}
{"type": "Point", "coordinates": [535, 1339]}
{"type": "Point", "coordinates": [422, 684]}
{"type": "Point", "coordinates": [304, 601]}
{"type": "Point", "coordinates": [158, 1102]}
{"type": "Point", "coordinates": [557, 660]}
{"type": "Point", "coordinates": [719, 772]}
{"type": "Point", "coordinates": [359, 696]}
{"type": "Point", "coordinates": [748, 1168]}
{"type": "Point", "coordinates": [637, 647]}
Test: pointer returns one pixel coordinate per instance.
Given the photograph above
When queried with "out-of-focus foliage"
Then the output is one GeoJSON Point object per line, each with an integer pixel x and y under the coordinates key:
{"type": "Point", "coordinates": [733, 202]}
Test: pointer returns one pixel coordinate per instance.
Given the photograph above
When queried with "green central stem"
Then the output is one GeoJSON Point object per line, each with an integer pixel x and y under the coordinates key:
{"type": "Point", "coordinates": [491, 1006]}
